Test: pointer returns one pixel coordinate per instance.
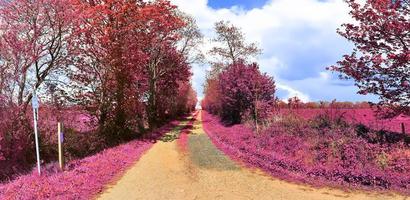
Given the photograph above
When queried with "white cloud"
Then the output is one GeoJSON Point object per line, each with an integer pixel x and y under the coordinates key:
{"type": "Point", "coordinates": [271, 65]}
{"type": "Point", "coordinates": [292, 93]}
{"type": "Point", "coordinates": [298, 38]}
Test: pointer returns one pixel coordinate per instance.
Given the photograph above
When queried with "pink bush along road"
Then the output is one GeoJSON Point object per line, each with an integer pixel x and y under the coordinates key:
{"type": "Point", "coordinates": [84, 178]}
{"type": "Point", "coordinates": [365, 116]}
{"type": "Point", "coordinates": [336, 158]}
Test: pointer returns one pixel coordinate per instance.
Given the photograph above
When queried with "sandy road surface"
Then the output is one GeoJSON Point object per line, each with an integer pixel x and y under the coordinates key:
{"type": "Point", "coordinates": [192, 168]}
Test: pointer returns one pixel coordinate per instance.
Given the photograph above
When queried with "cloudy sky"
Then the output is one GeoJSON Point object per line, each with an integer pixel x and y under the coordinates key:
{"type": "Point", "coordinates": [298, 38]}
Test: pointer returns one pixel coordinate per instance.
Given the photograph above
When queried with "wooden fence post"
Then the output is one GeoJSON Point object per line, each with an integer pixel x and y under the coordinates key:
{"type": "Point", "coordinates": [60, 146]}
{"type": "Point", "coordinates": [403, 129]}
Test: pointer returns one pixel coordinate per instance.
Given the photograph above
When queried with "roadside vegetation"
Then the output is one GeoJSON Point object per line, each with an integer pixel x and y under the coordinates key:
{"type": "Point", "coordinates": [110, 71]}
{"type": "Point", "coordinates": [117, 74]}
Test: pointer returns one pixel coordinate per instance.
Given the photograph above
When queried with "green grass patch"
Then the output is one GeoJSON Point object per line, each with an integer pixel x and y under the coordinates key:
{"type": "Point", "coordinates": [175, 132]}
{"type": "Point", "coordinates": [203, 153]}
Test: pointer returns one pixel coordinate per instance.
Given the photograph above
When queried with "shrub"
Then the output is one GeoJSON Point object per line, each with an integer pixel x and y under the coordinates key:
{"type": "Point", "coordinates": [335, 155]}
{"type": "Point", "coordinates": [244, 90]}
{"type": "Point", "coordinates": [331, 118]}
{"type": "Point", "coordinates": [79, 145]}
{"type": "Point", "coordinates": [17, 147]}
{"type": "Point", "coordinates": [16, 143]}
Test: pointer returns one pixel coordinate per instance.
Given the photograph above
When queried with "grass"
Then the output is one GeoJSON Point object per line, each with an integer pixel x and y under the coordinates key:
{"type": "Point", "coordinates": [175, 132]}
{"type": "Point", "coordinates": [204, 154]}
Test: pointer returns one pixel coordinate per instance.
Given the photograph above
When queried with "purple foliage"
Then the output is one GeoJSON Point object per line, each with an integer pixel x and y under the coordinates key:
{"type": "Point", "coordinates": [334, 156]}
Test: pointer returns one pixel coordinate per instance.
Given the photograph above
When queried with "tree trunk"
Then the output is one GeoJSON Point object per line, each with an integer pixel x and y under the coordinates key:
{"type": "Point", "coordinates": [152, 105]}
{"type": "Point", "coordinates": [22, 87]}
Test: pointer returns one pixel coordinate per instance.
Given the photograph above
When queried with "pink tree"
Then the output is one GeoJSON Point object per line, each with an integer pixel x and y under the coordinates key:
{"type": "Point", "coordinates": [34, 38]}
{"type": "Point", "coordinates": [380, 62]}
{"type": "Point", "coordinates": [244, 89]}
{"type": "Point", "coordinates": [211, 101]}
{"type": "Point", "coordinates": [128, 66]}
{"type": "Point", "coordinates": [187, 98]}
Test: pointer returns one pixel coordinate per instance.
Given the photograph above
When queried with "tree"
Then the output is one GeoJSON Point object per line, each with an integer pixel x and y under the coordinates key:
{"type": "Point", "coordinates": [212, 101]}
{"type": "Point", "coordinates": [191, 39]}
{"type": "Point", "coordinates": [186, 100]}
{"type": "Point", "coordinates": [124, 61]}
{"type": "Point", "coordinates": [231, 46]}
{"type": "Point", "coordinates": [34, 40]}
{"type": "Point", "coordinates": [109, 80]}
{"type": "Point", "coordinates": [165, 64]}
{"type": "Point", "coordinates": [164, 78]}
{"type": "Point", "coordinates": [127, 65]}
{"type": "Point", "coordinates": [294, 102]}
{"type": "Point", "coordinates": [245, 90]}
{"type": "Point", "coordinates": [380, 62]}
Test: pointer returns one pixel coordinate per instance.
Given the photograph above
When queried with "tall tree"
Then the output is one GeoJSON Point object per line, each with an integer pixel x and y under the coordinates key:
{"type": "Point", "coordinates": [163, 79]}
{"type": "Point", "coordinates": [128, 64]}
{"type": "Point", "coordinates": [165, 65]}
{"type": "Point", "coordinates": [191, 40]}
{"type": "Point", "coordinates": [230, 46]}
{"type": "Point", "coordinates": [106, 72]}
{"type": "Point", "coordinates": [380, 61]}
{"type": "Point", "coordinates": [34, 39]}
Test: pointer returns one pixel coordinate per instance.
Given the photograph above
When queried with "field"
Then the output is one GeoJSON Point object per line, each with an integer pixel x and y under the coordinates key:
{"type": "Point", "coordinates": [317, 152]}
{"type": "Point", "coordinates": [365, 116]}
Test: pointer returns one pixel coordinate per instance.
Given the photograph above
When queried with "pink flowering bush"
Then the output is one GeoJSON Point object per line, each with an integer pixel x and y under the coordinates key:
{"type": "Point", "coordinates": [334, 155]}
{"type": "Point", "coordinates": [82, 179]}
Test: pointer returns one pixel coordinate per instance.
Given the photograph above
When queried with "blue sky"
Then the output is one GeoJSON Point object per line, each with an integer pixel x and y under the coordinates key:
{"type": "Point", "coordinates": [246, 4]}
{"type": "Point", "coordinates": [298, 38]}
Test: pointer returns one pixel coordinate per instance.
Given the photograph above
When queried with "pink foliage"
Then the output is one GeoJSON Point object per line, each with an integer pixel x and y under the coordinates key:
{"type": "Point", "coordinates": [84, 178]}
{"type": "Point", "coordinates": [73, 118]}
{"type": "Point", "coordinates": [15, 143]}
{"type": "Point", "coordinates": [380, 60]}
{"type": "Point", "coordinates": [335, 157]}
{"type": "Point", "coordinates": [365, 116]}
{"type": "Point", "coordinates": [243, 91]}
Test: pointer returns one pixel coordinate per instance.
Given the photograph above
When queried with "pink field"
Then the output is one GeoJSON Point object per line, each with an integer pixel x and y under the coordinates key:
{"type": "Point", "coordinates": [364, 116]}
{"type": "Point", "coordinates": [336, 157]}
{"type": "Point", "coordinates": [84, 178]}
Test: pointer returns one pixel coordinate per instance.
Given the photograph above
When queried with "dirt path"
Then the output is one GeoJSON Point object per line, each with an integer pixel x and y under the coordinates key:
{"type": "Point", "coordinates": [192, 168]}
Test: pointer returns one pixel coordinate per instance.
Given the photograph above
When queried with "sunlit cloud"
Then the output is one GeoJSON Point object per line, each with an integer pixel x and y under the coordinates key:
{"type": "Point", "coordinates": [298, 39]}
